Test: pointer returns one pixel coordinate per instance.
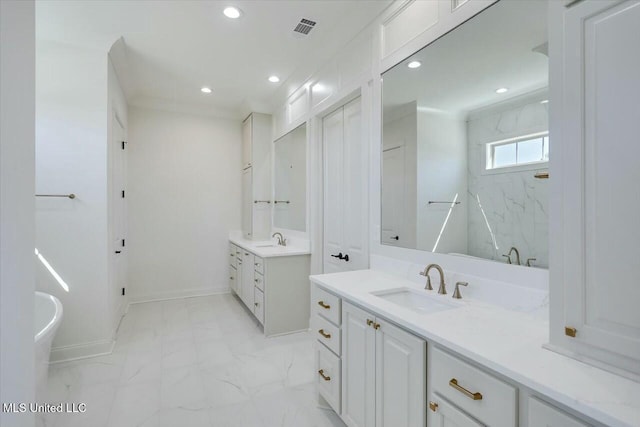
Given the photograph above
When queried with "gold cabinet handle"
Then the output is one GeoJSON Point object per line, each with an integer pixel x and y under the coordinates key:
{"type": "Point", "coordinates": [369, 322]}
{"type": "Point", "coordinates": [433, 406]}
{"type": "Point", "coordinates": [570, 331]}
{"type": "Point", "coordinates": [324, 377]}
{"type": "Point", "coordinates": [376, 326]}
{"type": "Point", "coordinates": [323, 305]}
{"type": "Point", "coordinates": [324, 334]}
{"type": "Point", "coordinates": [474, 396]}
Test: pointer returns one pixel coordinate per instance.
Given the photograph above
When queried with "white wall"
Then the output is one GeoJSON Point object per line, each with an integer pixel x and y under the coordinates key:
{"type": "Point", "coordinates": [17, 115]}
{"type": "Point", "coordinates": [74, 96]}
{"type": "Point", "coordinates": [441, 176]}
{"type": "Point", "coordinates": [183, 198]}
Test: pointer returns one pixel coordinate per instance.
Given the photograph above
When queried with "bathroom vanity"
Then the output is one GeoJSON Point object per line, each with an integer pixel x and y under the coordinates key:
{"type": "Point", "coordinates": [390, 353]}
{"type": "Point", "coordinates": [273, 282]}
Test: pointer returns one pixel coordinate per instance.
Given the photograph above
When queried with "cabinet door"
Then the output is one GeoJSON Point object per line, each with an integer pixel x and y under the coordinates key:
{"type": "Point", "coordinates": [247, 203]}
{"type": "Point", "coordinates": [594, 277]}
{"type": "Point", "coordinates": [345, 189]}
{"type": "Point", "coordinates": [443, 414]}
{"type": "Point", "coordinates": [247, 127]}
{"type": "Point", "coordinates": [401, 377]}
{"type": "Point", "coordinates": [247, 279]}
{"type": "Point", "coordinates": [544, 415]}
{"type": "Point", "coordinates": [358, 364]}
{"type": "Point", "coordinates": [233, 274]}
{"type": "Point", "coordinates": [239, 274]}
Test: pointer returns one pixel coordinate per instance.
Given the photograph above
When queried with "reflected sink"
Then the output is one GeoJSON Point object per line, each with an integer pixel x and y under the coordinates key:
{"type": "Point", "coordinates": [415, 300]}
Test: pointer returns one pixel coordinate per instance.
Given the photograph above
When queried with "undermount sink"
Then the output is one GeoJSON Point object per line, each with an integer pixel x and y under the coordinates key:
{"type": "Point", "coordinates": [267, 245]}
{"type": "Point", "coordinates": [415, 300]}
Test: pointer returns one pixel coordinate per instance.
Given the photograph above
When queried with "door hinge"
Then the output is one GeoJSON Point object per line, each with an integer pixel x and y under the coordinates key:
{"type": "Point", "coordinates": [123, 291]}
{"type": "Point", "coordinates": [123, 194]}
{"type": "Point", "coordinates": [123, 243]}
{"type": "Point", "coordinates": [570, 332]}
{"type": "Point", "coordinates": [123, 144]}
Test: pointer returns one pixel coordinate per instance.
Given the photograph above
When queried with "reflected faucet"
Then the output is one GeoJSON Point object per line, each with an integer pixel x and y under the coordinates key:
{"type": "Point", "coordinates": [508, 256]}
{"type": "Point", "coordinates": [442, 289]}
{"type": "Point", "coordinates": [281, 240]}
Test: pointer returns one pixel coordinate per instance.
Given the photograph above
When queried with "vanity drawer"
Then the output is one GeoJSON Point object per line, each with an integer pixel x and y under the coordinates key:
{"type": "Point", "coordinates": [328, 376]}
{"type": "Point", "coordinates": [542, 414]}
{"type": "Point", "coordinates": [233, 261]}
{"type": "Point", "coordinates": [327, 305]}
{"type": "Point", "coordinates": [259, 281]}
{"type": "Point", "coordinates": [328, 334]}
{"type": "Point", "coordinates": [258, 263]}
{"type": "Point", "coordinates": [258, 303]}
{"type": "Point", "coordinates": [481, 395]}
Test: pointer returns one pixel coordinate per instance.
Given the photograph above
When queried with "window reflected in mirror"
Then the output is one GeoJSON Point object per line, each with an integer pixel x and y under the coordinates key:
{"type": "Point", "coordinates": [466, 140]}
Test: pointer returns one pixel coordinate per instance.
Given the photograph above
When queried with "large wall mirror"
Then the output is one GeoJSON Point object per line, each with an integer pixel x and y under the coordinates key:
{"type": "Point", "coordinates": [466, 143]}
{"type": "Point", "coordinates": [290, 178]}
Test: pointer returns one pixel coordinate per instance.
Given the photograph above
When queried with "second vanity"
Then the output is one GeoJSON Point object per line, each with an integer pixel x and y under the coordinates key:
{"type": "Point", "coordinates": [390, 353]}
{"type": "Point", "coordinates": [272, 281]}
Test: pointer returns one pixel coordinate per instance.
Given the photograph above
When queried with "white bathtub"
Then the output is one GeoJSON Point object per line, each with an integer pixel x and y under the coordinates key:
{"type": "Point", "coordinates": [48, 313]}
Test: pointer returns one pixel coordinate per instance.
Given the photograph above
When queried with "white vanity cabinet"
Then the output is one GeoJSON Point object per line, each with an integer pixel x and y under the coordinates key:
{"type": "Point", "coordinates": [275, 289]}
{"type": "Point", "coordinates": [384, 372]}
{"type": "Point", "coordinates": [595, 229]}
{"type": "Point", "coordinates": [256, 176]}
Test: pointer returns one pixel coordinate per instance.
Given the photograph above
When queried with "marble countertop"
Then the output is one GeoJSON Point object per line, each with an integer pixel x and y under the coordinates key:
{"type": "Point", "coordinates": [268, 248]}
{"type": "Point", "coordinates": [505, 341]}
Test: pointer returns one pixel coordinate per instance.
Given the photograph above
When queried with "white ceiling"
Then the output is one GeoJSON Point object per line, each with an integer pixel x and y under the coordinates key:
{"type": "Point", "coordinates": [172, 48]}
{"type": "Point", "coordinates": [461, 71]}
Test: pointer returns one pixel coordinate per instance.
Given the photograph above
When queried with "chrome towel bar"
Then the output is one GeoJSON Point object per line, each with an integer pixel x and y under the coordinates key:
{"type": "Point", "coordinates": [69, 196]}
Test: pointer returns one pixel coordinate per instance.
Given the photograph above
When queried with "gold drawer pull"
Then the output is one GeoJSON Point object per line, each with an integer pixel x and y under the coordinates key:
{"type": "Point", "coordinates": [433, 406]}
{"type": "Point", "coordinates": [475, 396]}
{"type": "Point", "coordinates": [376, 326]}
{"type": "Point", "coordinates": [324, 334]}
{"type": "Point", "coordinates": [323, 305]}
{"type": "Point", "coordinates": [369, 322]}
{"type": "Point", "coordinates": [324, 377]}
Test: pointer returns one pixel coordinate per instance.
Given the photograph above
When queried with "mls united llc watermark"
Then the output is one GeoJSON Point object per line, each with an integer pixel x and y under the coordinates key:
{"type": "Point", "coordinates": [44, 407]}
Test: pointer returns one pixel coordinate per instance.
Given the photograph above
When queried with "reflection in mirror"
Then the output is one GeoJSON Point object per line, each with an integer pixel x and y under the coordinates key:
{"type": "Point", "coordinates": [465, 140]}
{"type": "Point", "coordinates": [290, 169]}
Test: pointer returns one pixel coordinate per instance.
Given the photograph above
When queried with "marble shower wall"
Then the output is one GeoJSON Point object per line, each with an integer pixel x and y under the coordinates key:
{"type": "Point", "coordinates": [508, 208]}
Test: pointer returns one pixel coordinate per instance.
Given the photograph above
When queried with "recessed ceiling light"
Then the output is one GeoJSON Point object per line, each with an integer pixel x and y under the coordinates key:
{"type": "Point", "coordinates": [274, 79]}
{"type": "Point", "coordinates": [544, 101]}
{"type": "Point", "coordinates": [205, 90]}
{"type": "Point", "coordinates": [232, 12]}
{"type": "Point", "coordinates": [502, 90]}
{"type": "Point", "coordinates": [414, 64]}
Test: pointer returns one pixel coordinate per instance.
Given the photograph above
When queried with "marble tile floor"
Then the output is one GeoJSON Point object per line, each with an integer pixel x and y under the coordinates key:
{"type": "Point", "coordinates": [193, 362]}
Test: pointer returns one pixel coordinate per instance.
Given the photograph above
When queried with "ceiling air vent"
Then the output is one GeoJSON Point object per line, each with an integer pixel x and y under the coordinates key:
{"type": "Point", "coordinates": [304, 26]}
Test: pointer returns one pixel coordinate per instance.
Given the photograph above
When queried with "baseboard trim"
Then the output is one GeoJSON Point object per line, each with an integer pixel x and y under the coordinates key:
{"type": "Point", "coordinates": [188, 293]}
{"type": "Point", "coordinates": [81, 351]}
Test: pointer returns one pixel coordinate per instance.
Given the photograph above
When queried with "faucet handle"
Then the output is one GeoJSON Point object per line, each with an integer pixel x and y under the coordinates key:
{"type": "Point", "coordinates": [428, 286]}
{"type": "Point", "coordinates": [508, 257]}
{"type": "Point", "coordinates": [456, 292]}
{"type": "Point", "coordinates": [529, 262]}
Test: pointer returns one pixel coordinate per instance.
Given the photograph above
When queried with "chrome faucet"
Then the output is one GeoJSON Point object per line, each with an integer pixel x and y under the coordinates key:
{"type": "Point", "coordinates": [442, 289]}
{"type": "Point", "coordinates": [281, 240]}
{"type": "Point", "coordinates": [508, 256]}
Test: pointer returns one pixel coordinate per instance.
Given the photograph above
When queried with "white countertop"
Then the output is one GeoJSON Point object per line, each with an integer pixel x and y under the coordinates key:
{"type": "Point", "coordinates": [505, 341]}
{"type": "Point", "coordinates": [261, 249]}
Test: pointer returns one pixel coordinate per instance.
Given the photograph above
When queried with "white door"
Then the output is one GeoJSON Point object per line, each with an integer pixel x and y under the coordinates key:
{"type": "Point", "coordinates": [543, 415]}
{"type": "Point", "coordinates": [358, 367]}
{"type": "Point", "coordinates": [119, 229]}
{"type": "Point", "coordinates": [393, 197]}
{"type": "Point", "coordinates": [247, 127]}
{"type": "Point", "coordinates": [247, 203]}
{"type": "Point", "coordinates": [599, 176]}
{"type": "Point", "coordinates": [345, 190]}
{"type": "Point", "coordinates": [401, 377]}
{"type": "Point", "coordinates": [443, 414]}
